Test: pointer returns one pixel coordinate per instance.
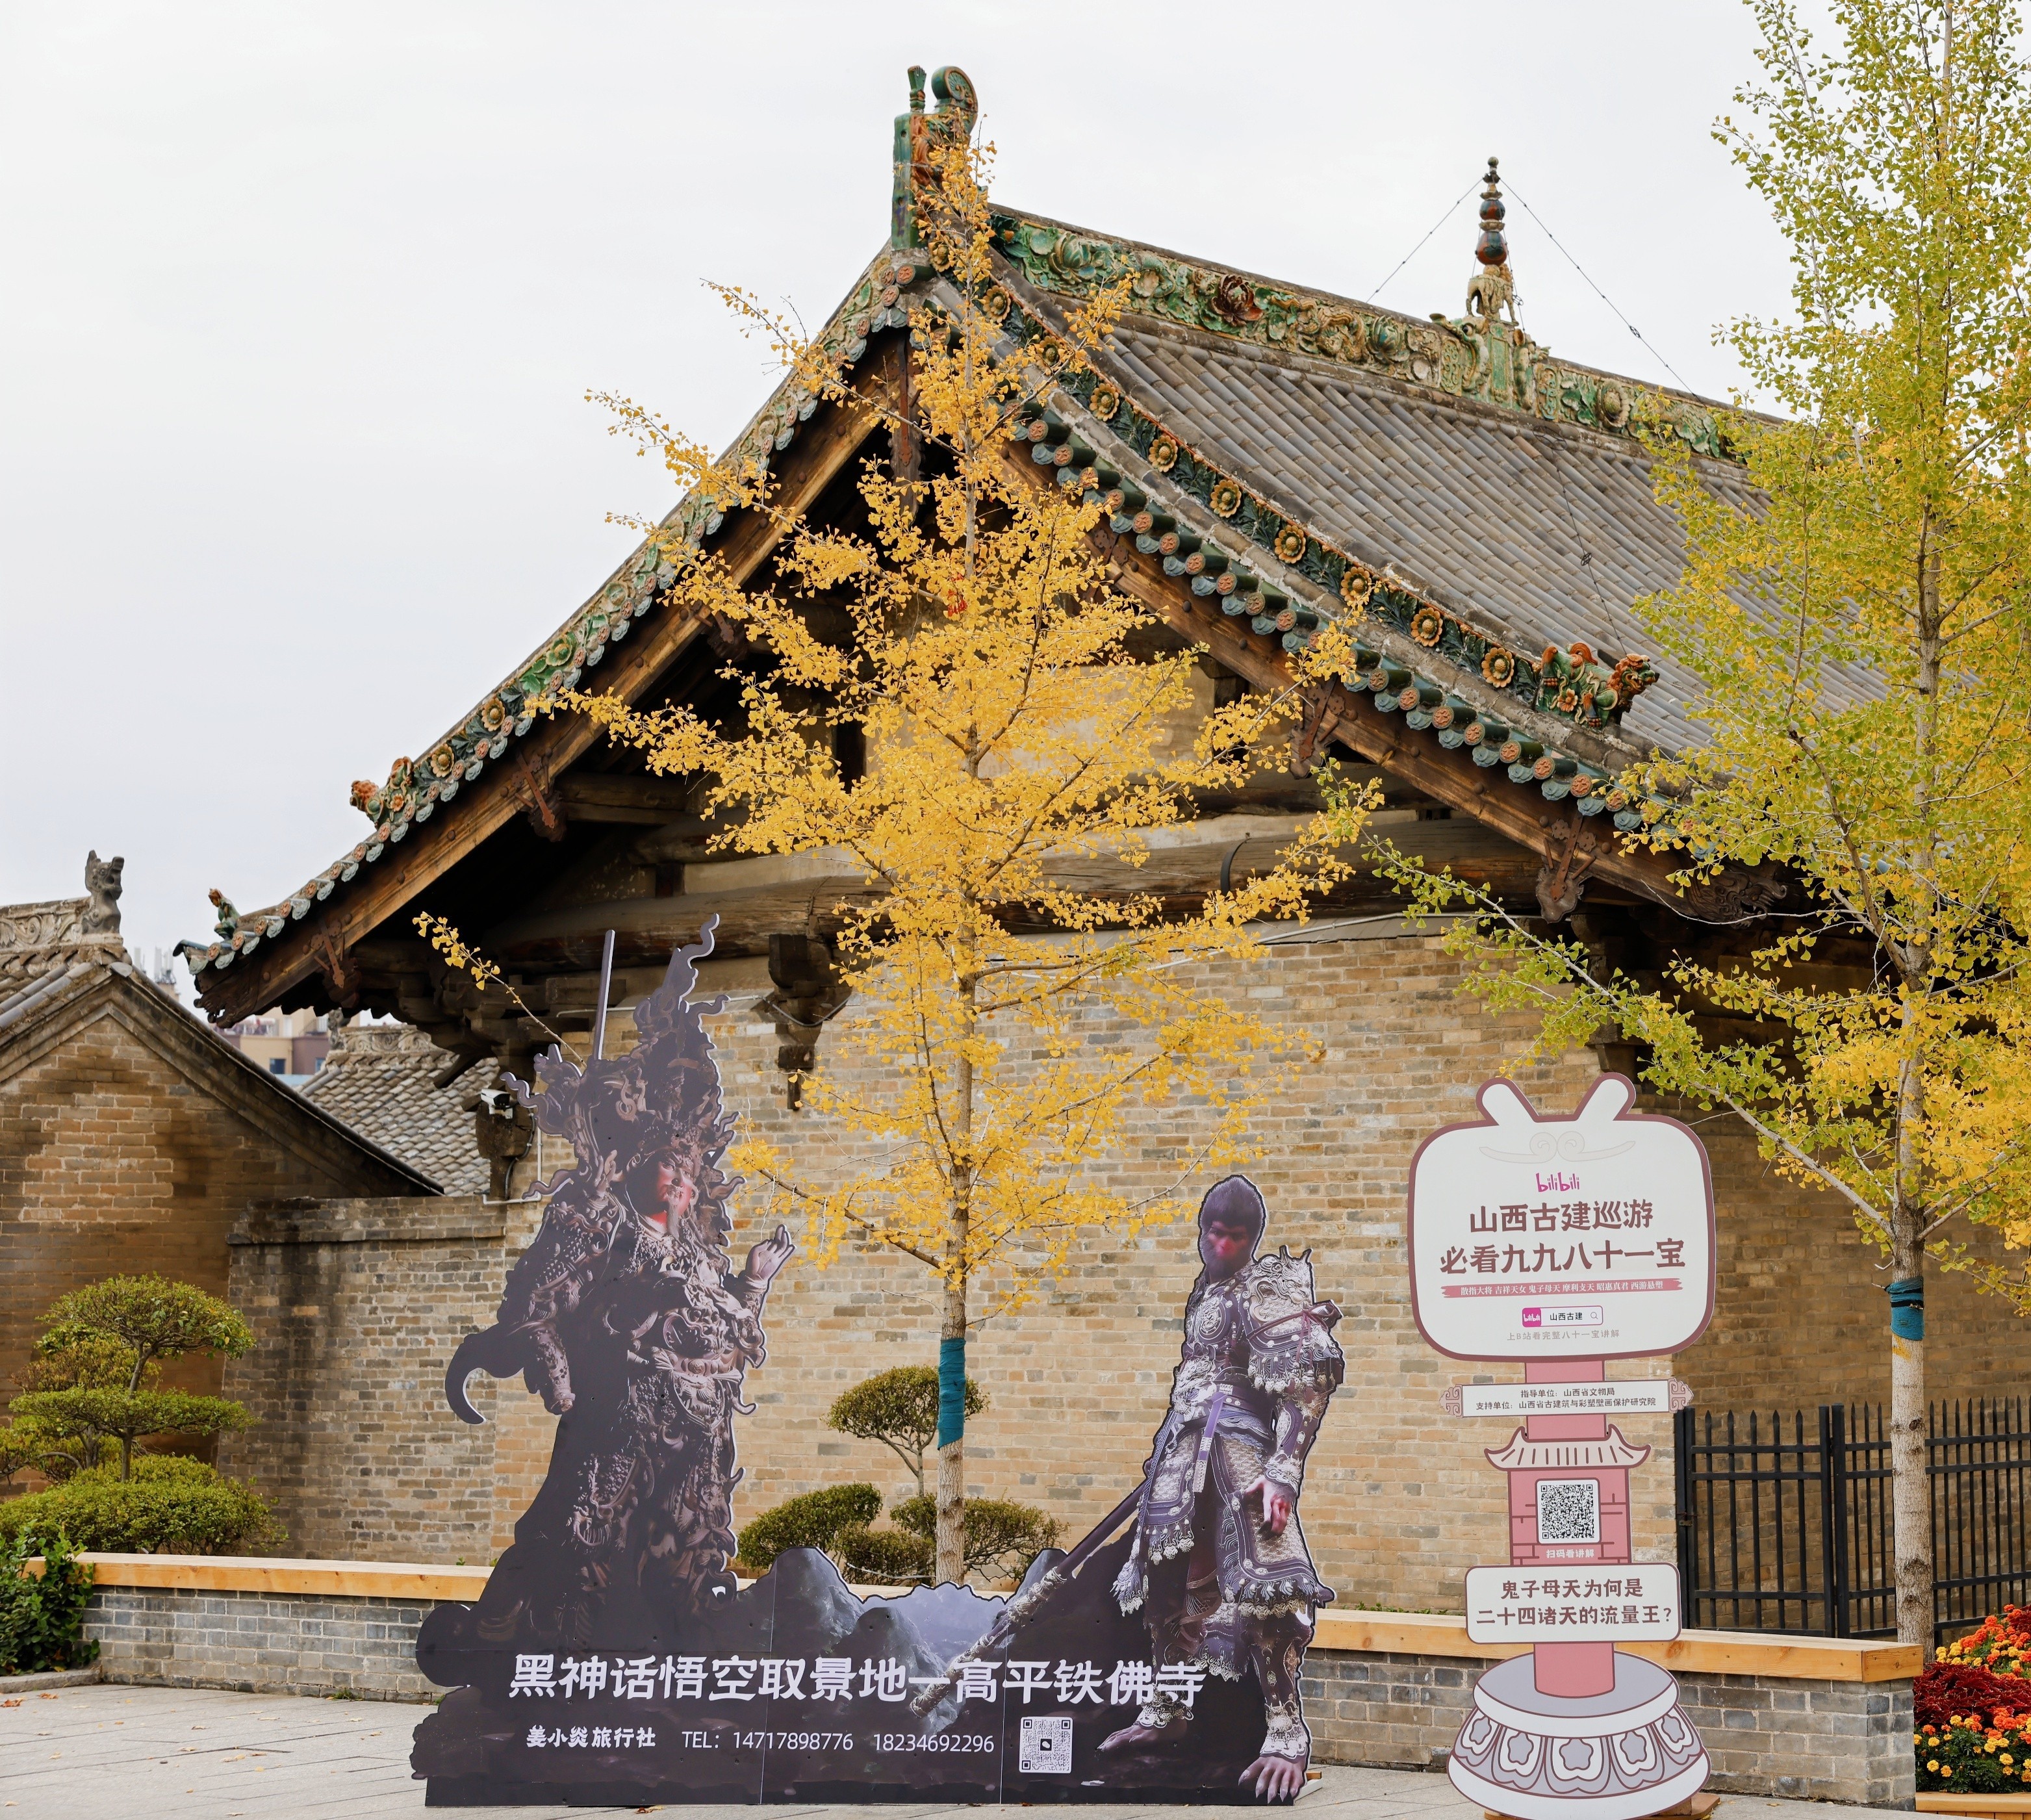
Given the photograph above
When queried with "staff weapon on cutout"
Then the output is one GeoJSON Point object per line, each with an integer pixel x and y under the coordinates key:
{"type": "Point", "coordinates": [1026, 1606]}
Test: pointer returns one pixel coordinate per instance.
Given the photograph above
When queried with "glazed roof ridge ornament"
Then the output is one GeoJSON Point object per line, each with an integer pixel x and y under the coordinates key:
{"type": "Point", "coordinates": [1492, 292]}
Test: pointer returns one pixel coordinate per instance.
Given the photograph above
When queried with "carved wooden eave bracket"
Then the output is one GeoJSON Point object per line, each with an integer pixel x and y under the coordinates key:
{"type": "Point", "coordinates": [545, 808]}
{"type": "Point", "coordinates": [808, 993]}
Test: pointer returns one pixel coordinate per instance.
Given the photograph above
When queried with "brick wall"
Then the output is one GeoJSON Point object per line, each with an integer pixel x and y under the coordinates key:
{"type": "Point", "coordinates": [1399, 1501]}
{"type": "Point", "coordinates": [358, 1305]}
{"type": "Point", "coordinates": [125, 1145]}
{"type": "Point", "coordinates": [260, 1643]}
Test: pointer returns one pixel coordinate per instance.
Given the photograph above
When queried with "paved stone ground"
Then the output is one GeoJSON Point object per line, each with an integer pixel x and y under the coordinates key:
{"type": "Point", "coordinates": [110, 1752]}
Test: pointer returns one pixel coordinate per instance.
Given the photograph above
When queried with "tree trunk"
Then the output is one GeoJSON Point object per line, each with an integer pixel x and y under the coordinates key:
{"type": "Point", "coordinates": [1910, 1488]}
{"type": "Point", "coordinates": [952, 1457]}
{"type": "Point", "coordinates": [952, 1331]}
{"type": "Point", "coordinates": [1910, 1494]}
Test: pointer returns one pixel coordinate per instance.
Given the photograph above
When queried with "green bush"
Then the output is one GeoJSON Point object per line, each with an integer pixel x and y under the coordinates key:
{"type": "Point", "coordinates": [41, 1616]}
{"type": "Point", "coordinates": [171, 1506]}
{"type": "Point", "coordinates": [101, 1347]}
{"type": "Point", "coordinates": [884, 1557]}
{"type": "Point", "coordinates": [999, 1535]}
{"type": "Point", "coordinates": [812, 1521]}
{"type": "Point", "coordinates": [899, 1409]}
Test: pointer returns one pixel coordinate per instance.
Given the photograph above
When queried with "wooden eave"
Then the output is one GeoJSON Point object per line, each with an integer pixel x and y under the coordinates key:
{"type": "Point", "coordinates": [309, 958]}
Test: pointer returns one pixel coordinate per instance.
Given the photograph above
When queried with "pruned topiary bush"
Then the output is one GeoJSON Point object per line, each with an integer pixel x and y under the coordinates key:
{"type": "Point", "coordinates": [171, 1506]}
{"type": "Point", "coordinates": [899, 1409]}
{"type": "Point", "coordinates": [1002, 1537]}
{"type": "Point", "coordinates": [814, 1520]}
{"type": "Point", "coordinates": [884, 1557]}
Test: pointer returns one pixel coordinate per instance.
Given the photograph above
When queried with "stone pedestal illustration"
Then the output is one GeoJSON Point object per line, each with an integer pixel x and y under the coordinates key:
{"type": "Point", "coordinates": [1626, 1752]}
{"type": "Point", "coordinates": [1509, 1264]}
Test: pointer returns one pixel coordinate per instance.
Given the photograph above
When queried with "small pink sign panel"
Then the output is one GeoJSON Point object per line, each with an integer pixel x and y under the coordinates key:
{"type": "Point", "coordinates": [1637, 1603]}
{"type": "Point", "coordinates": [1585, 1236]}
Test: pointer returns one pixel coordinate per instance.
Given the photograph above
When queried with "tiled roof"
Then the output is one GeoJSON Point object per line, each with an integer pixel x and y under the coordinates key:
{"type": "Point", "coordinates": [1457, 481]}
{"type": "Point", "coordinates": [376, 1080]}
{"type": "Point", "coordinates": [1545, 534]}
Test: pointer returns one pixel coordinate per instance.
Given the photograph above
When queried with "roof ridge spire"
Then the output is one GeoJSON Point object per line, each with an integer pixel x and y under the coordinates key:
{"type": "Point", "coordinates": [1492, 291]}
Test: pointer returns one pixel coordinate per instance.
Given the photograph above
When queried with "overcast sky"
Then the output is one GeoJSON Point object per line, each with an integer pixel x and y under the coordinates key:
{"type": "Point", "coordinates": [300, 302]}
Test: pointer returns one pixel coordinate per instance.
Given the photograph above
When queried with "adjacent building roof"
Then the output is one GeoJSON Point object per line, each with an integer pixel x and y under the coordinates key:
{"type": "Point", "coordinates": [44, 1009]}
{"type": "Point", "coordinates": [377, 1080]}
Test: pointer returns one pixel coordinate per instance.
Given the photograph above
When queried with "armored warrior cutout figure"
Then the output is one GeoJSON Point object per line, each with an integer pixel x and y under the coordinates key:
{"type": "Point", "coordinates": [628, 1317]}
{"type": "Point", "coordinates": [1218, 1566]}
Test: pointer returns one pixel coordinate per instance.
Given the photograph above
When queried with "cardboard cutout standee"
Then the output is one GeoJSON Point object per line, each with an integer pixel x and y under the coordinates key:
{"type": "Point", "coordinates": [614, 1660]}
{"type": "Point", "coordinates": [1562, 1244]}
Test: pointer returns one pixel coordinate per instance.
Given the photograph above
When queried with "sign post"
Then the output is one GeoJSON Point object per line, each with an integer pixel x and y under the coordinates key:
{"type": "Point", "coordinates": [1562, 1244]}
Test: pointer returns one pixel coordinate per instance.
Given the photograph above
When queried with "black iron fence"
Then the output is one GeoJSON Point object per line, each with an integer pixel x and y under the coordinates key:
{"type": "Point", "coordinates": [1784, 1517]}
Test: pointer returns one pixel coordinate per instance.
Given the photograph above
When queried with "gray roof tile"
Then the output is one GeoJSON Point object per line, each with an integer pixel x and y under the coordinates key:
{"type": "Point", "coordinates": [1545, 533]}
{"type": "Point", "coordinates": [377, 1078]}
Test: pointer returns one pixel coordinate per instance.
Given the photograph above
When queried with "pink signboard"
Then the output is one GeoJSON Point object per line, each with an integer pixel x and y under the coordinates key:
{"type": "Point", "coordinates": [1589, 1236]}
{"type": "Point", "coordinates": [1562, 1243]}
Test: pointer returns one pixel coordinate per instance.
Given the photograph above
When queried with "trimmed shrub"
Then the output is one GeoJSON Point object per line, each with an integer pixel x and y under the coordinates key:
{"type": "Point", "coordinates": [1000, 1536]}
{"type": "Point", "coordinates": [41, 1616]}
{"type": "Point", "coordinates": [812, 1521]}
{"type": "Point", "coordinates": [171, 1506]}
{"type": "Point", "coordinates": [899, 1409]}
{"type": "Point", "coordinates": [884, 1557]}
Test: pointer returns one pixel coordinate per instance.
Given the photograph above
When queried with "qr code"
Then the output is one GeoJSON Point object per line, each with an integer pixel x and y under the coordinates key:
{"type": "Point", "coordinates": [1568, 1510]}
{"type": "Point", "coordinates": [1046, 1748]}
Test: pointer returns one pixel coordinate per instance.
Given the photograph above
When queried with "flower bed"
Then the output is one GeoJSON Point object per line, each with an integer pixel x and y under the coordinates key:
{"type": "Point", "coordinates": [1972, 1711]}
{"type": "Point", "coordinates": [1969, 1755]}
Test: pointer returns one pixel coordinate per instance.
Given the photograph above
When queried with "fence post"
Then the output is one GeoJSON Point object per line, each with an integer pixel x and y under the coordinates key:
{"type": "Point", "coordinates": [1829, 1570]}
{"type": "Point", "coordinates": [1682, 1435]}
{"type": "Point", "coordinates": [1833, 1456]}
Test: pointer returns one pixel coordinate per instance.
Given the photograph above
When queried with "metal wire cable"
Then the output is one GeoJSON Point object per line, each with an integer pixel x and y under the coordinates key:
{"type": "Point", "coordinates": [1420, 247]}
{"type": "Point", "coordinates": [1509, 189]}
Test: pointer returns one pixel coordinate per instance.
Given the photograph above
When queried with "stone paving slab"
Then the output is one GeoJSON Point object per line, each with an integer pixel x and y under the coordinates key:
{"type": "Point", "coordinates": [116, 1752]}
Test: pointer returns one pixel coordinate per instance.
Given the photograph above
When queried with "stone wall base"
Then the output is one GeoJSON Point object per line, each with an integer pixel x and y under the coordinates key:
{"type": "Point", "coordinates": [260, 1643]}
{"type": "Point", "coordinates": [1810, 1740]}
{"type": "Point", "coordinates": [1813, 1740]}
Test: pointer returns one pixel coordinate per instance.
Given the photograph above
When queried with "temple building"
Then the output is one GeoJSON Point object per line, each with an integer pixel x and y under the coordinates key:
{"type": "Point", "coordinates": [1479, 509]}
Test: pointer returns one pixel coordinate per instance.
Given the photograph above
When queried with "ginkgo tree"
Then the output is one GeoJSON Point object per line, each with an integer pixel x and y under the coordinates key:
{"type": "Point", "coordinates": [1860, 633]}
{"type": "Point", "coordinates": [1014, 737]}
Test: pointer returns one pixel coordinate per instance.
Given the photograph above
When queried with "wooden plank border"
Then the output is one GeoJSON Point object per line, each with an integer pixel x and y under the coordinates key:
{"type": "Point", "coordinates": [1773, 1657]}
